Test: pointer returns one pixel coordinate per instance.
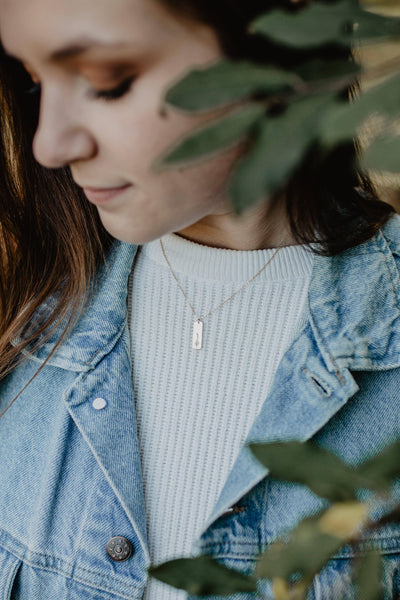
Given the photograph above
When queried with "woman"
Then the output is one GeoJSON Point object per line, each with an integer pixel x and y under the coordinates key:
{"type": "Point", "coordinates": [124, 416]}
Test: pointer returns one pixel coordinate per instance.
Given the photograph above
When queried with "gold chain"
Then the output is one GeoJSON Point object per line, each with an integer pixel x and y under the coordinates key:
{"type": "Point", "coordinates": [225, 301]}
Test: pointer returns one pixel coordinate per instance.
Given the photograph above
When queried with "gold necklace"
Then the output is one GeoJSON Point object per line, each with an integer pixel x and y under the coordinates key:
{"type": "Point", "coordinates": [198, 325]}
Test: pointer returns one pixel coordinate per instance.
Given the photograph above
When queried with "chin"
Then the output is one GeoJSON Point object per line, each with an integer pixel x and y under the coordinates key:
{"type": "Point", "coordinates": [124, 228]}
{"type": "Point", "coordinates": [130, 235]}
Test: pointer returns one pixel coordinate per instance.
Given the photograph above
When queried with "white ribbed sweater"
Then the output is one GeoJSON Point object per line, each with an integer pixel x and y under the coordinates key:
{"type": "Point", "coordinates": [196, 407]}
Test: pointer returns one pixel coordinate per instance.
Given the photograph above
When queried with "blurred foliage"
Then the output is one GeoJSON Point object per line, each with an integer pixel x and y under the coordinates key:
{"type": "Point", "coordinates": [293, 561]}
{"type": "Point", "coordinates": [281, 114]}
{"type": "Point", "coordinates": [203, 576]}
{"type": "Point", "coordinates": [375, 58]}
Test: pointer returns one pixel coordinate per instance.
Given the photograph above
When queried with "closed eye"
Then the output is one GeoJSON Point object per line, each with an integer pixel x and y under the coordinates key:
{"type": "Point", "coordinates": [114, 93]}
{"type": "Point", "coordinates": [111, 94]}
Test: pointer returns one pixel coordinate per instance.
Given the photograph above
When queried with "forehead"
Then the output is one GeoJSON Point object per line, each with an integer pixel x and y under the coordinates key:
{"type": "Point", "coordinates": [38, 26]}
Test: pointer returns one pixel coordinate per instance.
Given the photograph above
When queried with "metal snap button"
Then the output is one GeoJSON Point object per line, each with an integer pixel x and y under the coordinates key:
{"type": "Point", "coordinates": [119, 549]}
{"type": "Point", "coordinates": [99, 403]}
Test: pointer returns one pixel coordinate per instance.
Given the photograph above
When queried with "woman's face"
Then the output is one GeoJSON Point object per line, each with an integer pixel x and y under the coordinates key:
{"type": "Point", "coordinates": [103, 66]}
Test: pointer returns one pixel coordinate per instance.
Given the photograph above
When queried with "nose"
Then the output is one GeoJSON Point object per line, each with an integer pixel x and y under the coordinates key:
{"type": "Point", "coordinates": [61, 137]}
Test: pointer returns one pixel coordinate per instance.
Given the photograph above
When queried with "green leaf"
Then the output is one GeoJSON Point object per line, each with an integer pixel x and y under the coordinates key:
{"type": "Point", "coordinates": [380, 5]}
{"type": "Point", "coordinates": [383, 155]}
{"type": "Point", "coordinates": [226, 82]}
{"type": "Point", "coordinates": [320, 23]}
{"type": "Point", "coordinates": [212, 138]}
{"type": "Point", "coordinates": [368, 577]}
{"type": "Point", "coordinates": [306, 463]}
{"type": "Point", "coordinates": [345, 118]}
{"type": "Point", "coordinates": [325, 71]}
{"type": "Point", "coordinates": [306, 552]}
{"type": "Point", "coordinates": [203, 576]}
{"type": "Point", "coordinates": [382, 468]}
{"type": "Point", "coordinates": [279, 146]}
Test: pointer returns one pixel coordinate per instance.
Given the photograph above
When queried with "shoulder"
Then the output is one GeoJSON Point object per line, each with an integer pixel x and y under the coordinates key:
{"type": "Point", "coordinates": [96, 325]}
{"type": "Point", "coordinates": [391, 233]}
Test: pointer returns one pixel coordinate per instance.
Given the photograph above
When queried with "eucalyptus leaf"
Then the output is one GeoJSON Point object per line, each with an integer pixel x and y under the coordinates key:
{"type": "Point", "coordinates": [226, 82]}
{"type": "Point", "coordinates": [344, 520]}
{"type": "Point", "coordinates": [322, 23]}
{"type": "Point", "coordinates": [214, 137]}
{"type": "Point", "coordinates": [305, 553]}
{"type": "Point", "coordinates": [280, 143]}
{"type": "Point", "coordinates": [383, 155]}
{"type": "Point", "coordinates": [368, 577]}
{"type": "Point", "coordinates": [308, 464]}
{"type": "Point", "coordinates": [203, 576]}
{"type": "Point", "coordinates": [344, 120]}
{"type": "Point", "coordinates": [377, 5]}
{"type": "Point", "coordinates": [324, 71]}
{"type": "Point", "coordinates": [380, 4]}
{"type": "Point", "coordinates": [282, 590]}
{"type": "Point", "coordinates": [383, 468]}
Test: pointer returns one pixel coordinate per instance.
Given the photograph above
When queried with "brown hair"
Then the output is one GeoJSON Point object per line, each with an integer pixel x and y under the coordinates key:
{"type": "Point", "coordinates": [51, 238]}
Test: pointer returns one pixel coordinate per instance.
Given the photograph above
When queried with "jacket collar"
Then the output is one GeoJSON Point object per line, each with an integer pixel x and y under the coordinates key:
{"type": "Point", "coordinates": [353, 324]}
{"type": "Point", "coordinates": [354, 308]}
{"type": "Point", "coordinates": [354, 304]}
{"type": "Point", "coordinates": [102, 321]}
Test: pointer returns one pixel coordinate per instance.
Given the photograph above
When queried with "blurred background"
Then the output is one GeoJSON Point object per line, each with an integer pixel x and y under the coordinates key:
{"type": "Point", "coordinates": [374, 57]}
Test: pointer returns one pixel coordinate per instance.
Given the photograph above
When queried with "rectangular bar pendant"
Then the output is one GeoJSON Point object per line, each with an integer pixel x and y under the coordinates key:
{"type": "Point", "coordinates": [197, 342]}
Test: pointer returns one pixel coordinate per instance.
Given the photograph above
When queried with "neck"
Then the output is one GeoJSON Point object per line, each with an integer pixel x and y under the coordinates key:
{"type": "Point", "coordinates": [260, 227]}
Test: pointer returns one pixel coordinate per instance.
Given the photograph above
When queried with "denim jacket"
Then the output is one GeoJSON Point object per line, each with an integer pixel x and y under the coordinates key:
{"type": "Point", "coordinates": [70, 474]}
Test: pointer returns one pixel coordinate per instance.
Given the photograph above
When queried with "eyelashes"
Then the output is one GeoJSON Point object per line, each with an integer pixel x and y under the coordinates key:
{"type": "Point", "coordinates": [115, 93]}
{"type": "Point", "coordinates": [108, 95]}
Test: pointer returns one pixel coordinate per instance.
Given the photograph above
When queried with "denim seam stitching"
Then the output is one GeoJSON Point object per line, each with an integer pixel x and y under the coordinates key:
{"type": "Point", "coordinates": [235, 556]}
{"type": "Point", "coordinates": [367, 542]}
{"type": "Point", "coordinates": [111, 343]}
{"type": "Point", "coordinates": [383, 239]}
{"type": "Point", "coordinates": [337, 368]}
{"type": "Point", "coordinates": [82, 581]}
{"type": "Point", "coordinates": [264, 510]}
{"type": "Point", "coordinates": [125, 343]}
{"type": "Point", "coordinates": [115, 341]}
{"type": "Point", "coordinates": [216, 544]}
{"type": "Point", "coordinates": [34, 553]}
{"type": "Point", "coordinates": [382, 551]}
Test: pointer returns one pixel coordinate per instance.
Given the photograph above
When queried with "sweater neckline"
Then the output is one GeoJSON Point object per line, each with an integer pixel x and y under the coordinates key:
{"type": "Point", "coordinates": [198, 261]}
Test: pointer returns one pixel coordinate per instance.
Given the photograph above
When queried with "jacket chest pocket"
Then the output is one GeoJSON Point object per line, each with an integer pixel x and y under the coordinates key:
{"type": "Point", "coordinates": [9, 566]}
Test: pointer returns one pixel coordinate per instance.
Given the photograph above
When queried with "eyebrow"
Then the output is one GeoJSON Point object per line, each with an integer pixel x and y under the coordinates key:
{"type": "Point", "coordinates": [81, 46]}
{"type": "Point", "coordinates": [76, 48]}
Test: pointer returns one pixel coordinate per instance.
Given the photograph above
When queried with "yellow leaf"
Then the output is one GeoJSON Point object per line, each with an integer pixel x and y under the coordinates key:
{"type": "Point", "coordinates": [280, 589]}
{"type": "Point", "coordinates": [344, 519]}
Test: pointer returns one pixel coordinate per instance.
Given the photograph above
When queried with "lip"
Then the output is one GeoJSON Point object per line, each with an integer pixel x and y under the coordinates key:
{"type": "Point", "coordinates": [103, 195]}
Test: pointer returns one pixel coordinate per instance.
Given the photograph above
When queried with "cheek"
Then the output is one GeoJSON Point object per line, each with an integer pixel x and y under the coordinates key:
{"type": "Point", "coordinates": [211, 176]}
{"type": "Point", "coordinates": [139, 138]}
{"type": "Point", "coordinates": [140, 134]}
{"type": "Point", "coordinates": [151, 133]}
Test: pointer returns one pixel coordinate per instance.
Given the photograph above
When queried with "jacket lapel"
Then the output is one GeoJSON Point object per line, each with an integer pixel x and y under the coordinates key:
{"type": "Point", "coordinates": [353, 324]}
{"type": "Point", "coordinates": [98, 351]}
{"type": "Point", "coordinates": [111, 434]}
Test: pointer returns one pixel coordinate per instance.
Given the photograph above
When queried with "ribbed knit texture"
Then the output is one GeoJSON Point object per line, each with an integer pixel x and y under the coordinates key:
{"type": "Point", "coordinates": [196, 407]}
